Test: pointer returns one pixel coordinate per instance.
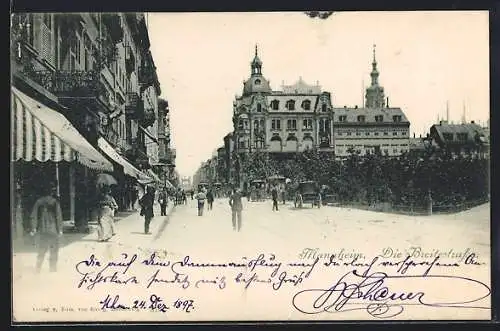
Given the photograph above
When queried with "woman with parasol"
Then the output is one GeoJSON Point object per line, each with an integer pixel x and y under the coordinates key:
{"type": "Point", "coordinates": [107, 207]}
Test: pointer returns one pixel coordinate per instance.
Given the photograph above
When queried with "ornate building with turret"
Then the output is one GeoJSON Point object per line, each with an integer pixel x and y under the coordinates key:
{"type": "Point", "coordinates": [289, 120]}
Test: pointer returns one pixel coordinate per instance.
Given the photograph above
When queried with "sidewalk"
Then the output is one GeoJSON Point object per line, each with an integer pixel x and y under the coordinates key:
{"type": "Point", "coordinates": [125, 223]}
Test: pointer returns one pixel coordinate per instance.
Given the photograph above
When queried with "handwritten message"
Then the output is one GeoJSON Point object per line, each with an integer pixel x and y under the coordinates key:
{"type": "Point", "coordinates": [317, 282]}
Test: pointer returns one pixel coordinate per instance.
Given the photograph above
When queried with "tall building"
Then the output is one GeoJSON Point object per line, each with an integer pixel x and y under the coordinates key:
{"type": "Point", "coordinates": [93, 78]}
{"type": "Point", "coordinates": [292, 119]}
{"type": "Point", "coordinates": [375, 128]}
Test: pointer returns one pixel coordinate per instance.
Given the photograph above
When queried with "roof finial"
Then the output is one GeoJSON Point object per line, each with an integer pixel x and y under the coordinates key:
{"type": "Point", "coordinates": [256, 50]}
{"type": "Point", "coordinates": [374, 46]}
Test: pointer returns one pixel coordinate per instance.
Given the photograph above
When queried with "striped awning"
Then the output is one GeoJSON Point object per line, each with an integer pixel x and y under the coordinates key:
{"type": "Point", "coordinates": [43, 134]}
{"type": "Point", "coordinates": [128, 168]}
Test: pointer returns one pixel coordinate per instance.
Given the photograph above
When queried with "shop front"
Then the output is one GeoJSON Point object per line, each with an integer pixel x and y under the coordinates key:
{"type": "Point", "coordinates": [47, 147]}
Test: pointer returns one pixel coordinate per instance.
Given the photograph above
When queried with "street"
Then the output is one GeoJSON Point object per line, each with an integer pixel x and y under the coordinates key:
{"type": "Point", "coordinates": [285, 233]}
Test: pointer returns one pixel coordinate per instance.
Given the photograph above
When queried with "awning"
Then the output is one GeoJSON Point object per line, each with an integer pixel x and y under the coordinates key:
{"type": "Point", "coordinates": [149, 134]}
{"type": "Point", "coordinates": [154, 176]}
{"type": "Point", "coordinates": [43, 134]}
{"type": "Point", "coordinates": [128, 168]}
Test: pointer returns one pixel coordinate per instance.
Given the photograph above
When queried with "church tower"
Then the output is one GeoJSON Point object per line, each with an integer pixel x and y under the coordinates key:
{"type": "Point", "coordinates": [375, 93]}
{"type": "Point", "coordinates": [257, 83]}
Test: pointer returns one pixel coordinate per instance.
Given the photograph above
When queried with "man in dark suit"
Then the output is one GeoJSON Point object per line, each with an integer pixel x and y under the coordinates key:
{"type": "Point", "coordinates": [47, 222]}
{"type": "Point", "coordinates": [236, 209]}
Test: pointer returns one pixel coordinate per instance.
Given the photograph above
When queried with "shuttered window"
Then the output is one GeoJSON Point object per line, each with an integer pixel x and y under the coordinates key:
{"type": "Point", "coordinates": [47, 39]}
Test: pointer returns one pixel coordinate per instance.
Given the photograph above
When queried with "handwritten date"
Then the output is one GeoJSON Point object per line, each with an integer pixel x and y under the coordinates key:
{"type": "Point", "coordinates": [153, 303]}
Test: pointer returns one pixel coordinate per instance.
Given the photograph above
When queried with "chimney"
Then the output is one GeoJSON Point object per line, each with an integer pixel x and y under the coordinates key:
{"type": "Point", "coordinates": [387, 103]}
{"type": "Point", "coordinates": [345, 107]}
{"type": "Point", "coordinates": [420, 135]}
{"type": "Point", "coordinates": [356, 107]}
{"type": "Point", "coordinates": [413, 134]}
{"type": "Point", "coordinates": [472, 122]}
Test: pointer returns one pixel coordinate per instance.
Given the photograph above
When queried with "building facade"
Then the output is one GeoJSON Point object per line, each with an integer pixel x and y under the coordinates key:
{"type": "Point", "coordinates": [375, 128]}
{"type": "Point", "coordinates": [95, 70]}
{"type": "Point", "coordinates": [290, 120]}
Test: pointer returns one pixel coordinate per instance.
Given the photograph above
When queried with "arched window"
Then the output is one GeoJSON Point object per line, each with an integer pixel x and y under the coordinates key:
{"type": "Point", "coordinates": [275, 104]}
{"type": "Point", "coordinates": [291, 144]}
{"type": "Point", "coordinates": [306, 105]}
{"type": "Point", "coordinates": [262, 125]}
{"type": "Point", "coordinates": [257, 82]}
{"type": "Point", "coordinates": [307, 143]}
{"type": "Point", "coordinates": [259, 107]}
{"type": "Point", "coordinates": [256, 124]}
{"type": "Point", "coordinates": [290, 105]}
{"type": "Point", "coordinates": [323, 107]}
{"type": "Point", "coordinates": [275, 144]}
{"type": "Point", "coordinates": [240, 124]}
{"type": "Point", "coordinates": [259, 142]}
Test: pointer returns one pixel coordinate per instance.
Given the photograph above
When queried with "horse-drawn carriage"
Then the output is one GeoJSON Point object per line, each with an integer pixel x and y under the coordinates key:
{"type": "Point", "coordinates": [307, 192]}
{"type": "Point", "coordinates": [257, 190]}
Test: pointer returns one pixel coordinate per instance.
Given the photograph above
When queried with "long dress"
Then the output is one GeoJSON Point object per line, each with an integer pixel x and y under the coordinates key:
{"type": "Point", "coordinates": [106, 218]}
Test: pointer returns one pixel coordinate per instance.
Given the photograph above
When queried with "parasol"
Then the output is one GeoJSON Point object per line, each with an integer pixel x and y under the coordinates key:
{"type": "Point", "coordinates": [106, 179]}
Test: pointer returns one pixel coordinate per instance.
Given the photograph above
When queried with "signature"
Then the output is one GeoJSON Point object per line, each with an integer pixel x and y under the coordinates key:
{"type": "Point", "coordinates": [373, 293]}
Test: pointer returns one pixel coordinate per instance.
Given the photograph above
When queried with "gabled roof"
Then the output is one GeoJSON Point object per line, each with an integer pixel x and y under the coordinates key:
{"type": "Point", "coordinates": [471, 129]}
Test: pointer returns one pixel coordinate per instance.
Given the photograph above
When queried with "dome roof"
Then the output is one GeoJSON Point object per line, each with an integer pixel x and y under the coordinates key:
{"type": "Point", "coordinates": [256, 84]}
{"type": "Point", "coordinates": [256, 60]}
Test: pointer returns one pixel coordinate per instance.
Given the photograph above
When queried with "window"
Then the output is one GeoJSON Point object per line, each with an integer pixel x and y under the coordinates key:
{"type": "Point", "coordinates": [375, 133]}
{"type": "Point", "coordinates": [342, 118]}
{"type": "Point", "coordinates": [240, 124]}
{"type": "Point", "coordinates": [290, 105]}
{"type": "Point", "coordinates": [256, 124]}
{"type": "Point", "coordinates": [395, 150]}
{"type": "Point", "coordinates": [403, 133]}
{"type": "Point", "coordinates": [257, 82]}
{"type": "Point", "coordinates": [275, 124]}
{"type": "Point", "coordinates": [394, 133]}
{"type": "Point", "coordinates": [339, 133]}
{"type": "Point", "coordinates": [379, 118]}
{"type": "Point", "coordinates": [259, 142]}
{"type": "Point", "coordinates": [47, 20]}
{"type": "Point", "coordinates": [78, 45]}
{"type": "Point", "coordinates": [448, 136]}
{"type": "Point", "coordinates": [307, 124]}
{"type": "Point", "coordinates": [367, 133]}
{"type": "Point", "coordinates": [306, 105]}
{"type": "Point", "coordinates": [358, 133]}
{"type": "Point", "coordinates": [275, 104]}
{"type": "Point", "coordinates": [361, 118]}
{"type": "Point", "coordinates": [241, 144]}
{"type": "Point", "coordinates": [259, 107]}
{"type": "Point", "coordinates": [462, 136]}
{"type": "Point", "coordinates": [386, 133]}
{"type": "Point", "coordinates": [396, 118]}
{"type": "Point", "coordinates": [323, 107]}
{"type": "Point", "coordinates": [349, 133]}
{"type": "Point", "coordinates": [261, 125]}
{"type": "Point", "coordinates": [291, 124]}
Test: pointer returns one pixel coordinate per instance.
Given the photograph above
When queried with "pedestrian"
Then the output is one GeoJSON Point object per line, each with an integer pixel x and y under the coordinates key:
{"type": "Point", "coordinates": [47, 222]}
{"type": "Point", "coordinates": [106, 206]}
{"type": "Point", "coordinates": [200, 197]}
{"type": "Point", "coordinates": [274, 195]}
{"type": "Point", "coordinates": [135, 195]}
{"type": "Point", "coordinates": [163, 201]}
{"type": "Point", "coordinates": [210, 199]}
{"type": "Point", "coordinates": [146, 203]}
{"type": "Point", "coordinates": [192, 194]}
{"type": "Point", "coordinates": [283, 194]}
{"type": "Point", "coordinates": [236, 209]}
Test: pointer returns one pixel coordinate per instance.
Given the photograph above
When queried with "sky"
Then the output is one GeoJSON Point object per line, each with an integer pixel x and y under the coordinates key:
{"type": "Point", "coordinates": [425, 60]}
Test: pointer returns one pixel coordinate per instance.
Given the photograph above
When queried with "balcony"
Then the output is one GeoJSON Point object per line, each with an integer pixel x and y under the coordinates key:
{"type": "Point", "coordinates": [72, 85]}
{"type": "Point", "coordinates": [134, 108]}
{"type": "Point", "coordinates": [114, 26]}
{"type": "Point", "coordinates": [148, 118]}
{"type": "Point", "coordinates": [129, 60]}
{"type": "Point", "coordinates": [146, 77]}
